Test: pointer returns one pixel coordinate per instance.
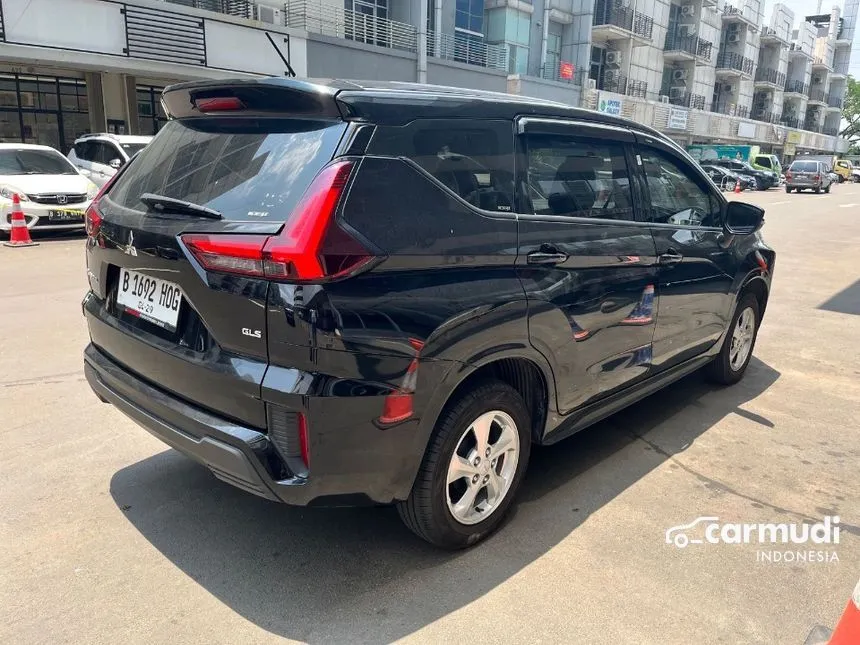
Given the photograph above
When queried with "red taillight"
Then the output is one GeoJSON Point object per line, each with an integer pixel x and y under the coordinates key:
{"type": "Point", "coordinates": [304, 442]}
{"type": "Point", "coordinates": [93, 220]}
{"type": "Point", "coordinates": [817, 177]}
{"type": "Point", "coordinates": [311, 246]}
{"type": "Point", "coordinates": [219, 104]}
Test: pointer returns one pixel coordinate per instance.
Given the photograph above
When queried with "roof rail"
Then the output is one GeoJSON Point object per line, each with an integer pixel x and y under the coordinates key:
{"type": "Point", "coordinates": [97, 134]}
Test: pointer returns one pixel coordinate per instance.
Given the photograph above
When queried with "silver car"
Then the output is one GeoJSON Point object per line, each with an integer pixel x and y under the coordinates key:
{"type": "Point", "coordinates": [814, 175]}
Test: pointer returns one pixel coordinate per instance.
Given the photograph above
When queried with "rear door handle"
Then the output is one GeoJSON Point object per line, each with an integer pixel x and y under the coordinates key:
{"type": "Point", "coordinates": [670, 258]}
{"type": "Point", "coordinates": [546, 255]}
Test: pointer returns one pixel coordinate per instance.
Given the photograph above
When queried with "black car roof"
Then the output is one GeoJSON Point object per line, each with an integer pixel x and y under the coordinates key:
{"type": "Point", "coordinates": [395, 102]}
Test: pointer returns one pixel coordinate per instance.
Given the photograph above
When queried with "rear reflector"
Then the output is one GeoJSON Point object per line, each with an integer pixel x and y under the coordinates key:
{"type": "Point", "coordinates": [310, 247]}
{"type": "Point", "coordinates": [219, 104]}
{"type": "Point", "coordinates": [398, 407]}
{"type": "Point", "coordinates": [304, 440]}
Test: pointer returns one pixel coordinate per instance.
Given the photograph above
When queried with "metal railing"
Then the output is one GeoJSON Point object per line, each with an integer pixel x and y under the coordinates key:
{"type": "Point", "coordinates": [240, 8]}
{"type": "Point", "coordinates": [840, 67]}
{"type": "Point", "coordinates": [835, 101]}
{"type": "Point", "coordinates": [817, 95]}
{"type": "Point", "coordinates": [821, 60]}
{"type": "Point", "coordinates": [463, 48]}
{"type": "Point", "coordinates": [811, 126]}
{"type": "Point", "coordinates": [770, 32]}
{"type": "Point", "coordinates": [613, 83]}
{"type": "Point", "coordinates": [732, 109]}
{"type": "Point", "coordinates": [765, 115]}
{"type": "Point", "coordinates": [638, 89]}
{"type": "Point", "coordinates": [688, 99]}
{"type": "Point", "coordinates": [733, 60]}
{"type": "Point", "coordinates": [798, 47]}
{"type": "Point", "coordinates": [798, 87]}
{"type": "Point", "coordinates": [830, 131]}
{"type": "Point", "coordinates": [770, 75]}
{"type": "Point", "coordinates": [607, 12]}
{"type": "Point", "coordinates": [320, 17]}
{"type": "Point", "coordinates": [553, 73]}
{"type": "Point", "coordinates": [790, 122]}
{"type": "Point", "coordinates": [690, 44]}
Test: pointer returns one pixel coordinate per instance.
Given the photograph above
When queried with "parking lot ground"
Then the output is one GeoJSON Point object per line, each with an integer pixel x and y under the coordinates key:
{"type": "Point", "coordinates": [107, 536]}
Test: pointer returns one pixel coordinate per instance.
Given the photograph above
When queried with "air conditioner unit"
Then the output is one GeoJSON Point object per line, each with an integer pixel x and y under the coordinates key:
{"type": "Point", "coordinates": [679, 74]}
{"type": "Point", "coordinates": [677, 92]}
{"type": "Point", "coordinates": [613, 58]}
{"type": "Point", "coordinates": [817, 79]}
{"type": "Point", "coordinates": [664, 98]}
{"type": "Point", "coordinates": [688, 10]}
{"type": "Point", "coordinates": [270, 15]}
{"type": "Point", "coordinates": [733, 38]}
{"type": "Point", "coordinates": [687, 30]}
{"type": "Point", "coordinates": [727, 88]}
{"type": "Point", "coordinates": [733, 28]}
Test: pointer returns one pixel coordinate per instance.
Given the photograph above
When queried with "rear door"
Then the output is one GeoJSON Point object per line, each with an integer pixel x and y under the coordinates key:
{"type": "Point", "coordinates": [586, 258]}
{"type": "Point", "coordinates": [253, 171]}
{"type": "Point", "coordinates": [696, 269]}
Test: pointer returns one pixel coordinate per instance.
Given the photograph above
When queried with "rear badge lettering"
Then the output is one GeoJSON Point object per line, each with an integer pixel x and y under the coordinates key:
{"type": "Point", "coordinates": [253, 333]}
{"type": "Point", "coordinates": [258, 213]}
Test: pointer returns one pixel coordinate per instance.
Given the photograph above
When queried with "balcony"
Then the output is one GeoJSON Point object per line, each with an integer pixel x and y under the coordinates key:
{"type": "Point", "coordinates": [733, 64]}
{"type": "Point", "coordinates": [834, 101]}
{"type": "Point", "coordinates": [770, 36]}
{"type": "Point", "coordinates": [688, 48]}
{"type": "Point", "coordinates": [554, 73]}
{"type": "Point", "coordinates": [840, 71]}
{"type": "Point", "coordinates": [821, 64]}
{"type": "Point", "coordinates": [239, 8]}
{"type": "Point", "coordinates": [798, 88]}
{"type": "Point", "coordinates": [769, 77]}
{"type": "Point", "coordinates": [831, 132]}
{"type": "Point", "coordinates": [619, 84]}
{"type": "Point", "coordinates": [329, 20]}
{"type": "Point", "coordinates": [790, 122]}
{"type": "Point", "coordinates": [817, 96]}
{"type": "Point", "coordinates": [764, 115]}
{"type": "Point", "coordinates": [812, 126]}
{"type": "Point", "coordinates": [731, 109]}
{"type": "Point", "coordinates": [797, 49]}
{"type": "Point", "coordinates": [735, 14]}
{"type": "Point", "coordinates": [463, 48]}
{"type": "Point", "coordinates": [688, 100]}
{"type": "Point", "coordinates": [617, 22]}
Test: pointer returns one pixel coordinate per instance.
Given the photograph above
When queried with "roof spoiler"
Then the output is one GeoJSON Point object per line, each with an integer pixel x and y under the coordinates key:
{"type": "Point", "coordinates": [255, 97]}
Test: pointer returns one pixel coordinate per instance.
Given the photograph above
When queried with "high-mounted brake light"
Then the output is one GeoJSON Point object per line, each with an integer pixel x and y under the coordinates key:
{"type": "Point", "coordinates": [219, 104]}
{"type": "Point", "coordinates": [310, 247]}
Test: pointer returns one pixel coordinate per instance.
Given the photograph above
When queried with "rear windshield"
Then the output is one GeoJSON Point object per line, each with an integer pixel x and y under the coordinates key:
{"type": "Point", "coordinates": [247, 169]}
{"type": "Point", "coordinates": [805, 166]}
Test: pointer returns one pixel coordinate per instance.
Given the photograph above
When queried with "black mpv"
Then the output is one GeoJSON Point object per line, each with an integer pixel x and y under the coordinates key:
{"type": "Point", "coordinates": [338, 293]}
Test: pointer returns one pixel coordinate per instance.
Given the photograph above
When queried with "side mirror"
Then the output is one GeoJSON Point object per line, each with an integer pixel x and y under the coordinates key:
{"type": "Point", "coordinates": [116, 164]}
{"type": "Point", "coordinates": [743, 219]}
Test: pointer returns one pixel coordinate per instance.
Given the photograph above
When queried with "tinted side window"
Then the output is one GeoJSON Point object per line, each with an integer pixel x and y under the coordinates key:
{"type": "Point", "coordinates": [100, 152]}
{"type": "Point", "coordinates": [578, 177]}
{"type": "Point", "coordinates": [473, 158]}
{"type": "Point", "coordinates": [764, 162]}
{"type": "Point", "coordinates": [678, 195]}
{"type": "Point", "coordinates": [83, 151]}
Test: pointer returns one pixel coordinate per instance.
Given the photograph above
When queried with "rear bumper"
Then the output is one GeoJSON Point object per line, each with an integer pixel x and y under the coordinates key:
{"type": "Point", "coordinates": [243, 456]}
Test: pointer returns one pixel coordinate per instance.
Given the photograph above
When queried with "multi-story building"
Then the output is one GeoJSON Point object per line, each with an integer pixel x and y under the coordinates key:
{"type": "Point", "coordinates": [702, 70]}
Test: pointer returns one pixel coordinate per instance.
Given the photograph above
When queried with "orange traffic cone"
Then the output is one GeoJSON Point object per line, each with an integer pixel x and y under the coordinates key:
{"type": "Point", "coordinates": [847, 630]}
{"type": "Point", "coordinates": [738, 186]}
{"type": "Point", "coordinates": [20, 234]}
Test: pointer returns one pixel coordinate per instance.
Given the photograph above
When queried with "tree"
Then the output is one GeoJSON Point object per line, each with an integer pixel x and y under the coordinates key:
{"type": "Point", "coordinates": [851, 110]}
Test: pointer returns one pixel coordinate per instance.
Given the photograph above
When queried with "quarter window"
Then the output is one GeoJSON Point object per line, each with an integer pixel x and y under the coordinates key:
{"type": "Point", "coordinates": [677, 194]}
{"type": "Point", "coordinates": [578, 177]}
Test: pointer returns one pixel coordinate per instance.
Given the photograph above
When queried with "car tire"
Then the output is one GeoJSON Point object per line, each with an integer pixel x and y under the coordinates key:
{"type": "Point", "coordinates": [759, 184]}
{"type": "Point", "coordinates": [725, 370]}
{"type": "Point", "coordinates": [787, 189]}
{"type": "Point", "coordinates": [817, 191]}
{"type": "Point", "coordinates": [429, 511]}
{"type": "Point", "coordinates": [827, 190]}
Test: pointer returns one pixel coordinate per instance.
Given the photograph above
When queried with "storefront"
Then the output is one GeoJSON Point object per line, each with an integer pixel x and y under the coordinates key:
{"type": "Point", "coordinates": [48, 110]}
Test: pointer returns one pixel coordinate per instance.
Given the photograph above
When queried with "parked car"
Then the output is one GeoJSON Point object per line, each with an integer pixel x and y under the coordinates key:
{"type": "Point", "coordinates": [813, 175]}
{"type": "Point", "coordinates": [101, 155]}
{"type": "Point", "coordinates": [764, 178]}
{"type": "Point", "coordinates": [53, 194]}
{"type": "Point", "coordinates": [358, 299]}
{"type": "Point", "coordinates": [726, 179]}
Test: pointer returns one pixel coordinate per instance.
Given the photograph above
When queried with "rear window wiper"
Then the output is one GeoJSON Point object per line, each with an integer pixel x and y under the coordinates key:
{"type": "Point", "coordinates": [163, 203]}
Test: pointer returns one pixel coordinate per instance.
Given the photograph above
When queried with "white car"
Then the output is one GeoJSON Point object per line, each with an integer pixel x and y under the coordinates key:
{"type": "Point", "coordinates": [101, 155]}
{"type": "Point", "coordinates": [53, 193]}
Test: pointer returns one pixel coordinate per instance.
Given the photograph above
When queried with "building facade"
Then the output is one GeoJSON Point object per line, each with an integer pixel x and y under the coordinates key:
{"type": "Point", "coordinates": [704, 71]}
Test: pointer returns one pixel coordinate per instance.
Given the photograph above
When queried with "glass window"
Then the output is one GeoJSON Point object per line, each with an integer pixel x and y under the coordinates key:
{"type": "Point", "coordinates": [474, 159]}
{"type": "Point", "coordinates": [804, 166]}
{"type": "Point", "coordinates": [578, 177]}
{"type": "Point", "coordinates": [248, 169]}
{"type": "Point", "coordinates": [470, 15]}
{"type": "Point", "coordinates": [34, 162]}
{"type": "Point", "coordinates": [763, 161]}
{"type": "Point", "coordinates": [518, 59]}
{"type": "Point", "coordinates": [678, 195]}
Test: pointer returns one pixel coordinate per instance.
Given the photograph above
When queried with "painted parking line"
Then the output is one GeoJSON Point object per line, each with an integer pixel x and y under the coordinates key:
{"type": "Point", "coordinates": [847, 205]}
{"type": "Point", "coordinates": [784, 201]}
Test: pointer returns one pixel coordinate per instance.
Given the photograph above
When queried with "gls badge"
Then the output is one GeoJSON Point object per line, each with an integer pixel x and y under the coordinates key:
{"type": "Point", "coordinates": [253, 333]}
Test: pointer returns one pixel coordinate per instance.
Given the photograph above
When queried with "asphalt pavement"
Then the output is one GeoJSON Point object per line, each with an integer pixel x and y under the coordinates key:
{"type": "Point", "coordinates": [107, 536]}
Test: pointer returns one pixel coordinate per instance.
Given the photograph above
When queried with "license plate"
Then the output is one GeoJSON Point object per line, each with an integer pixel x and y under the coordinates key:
{"type": "Point", "coordinates": [155, 300]}
{"type": "Point", "coordinates": [66, 215]}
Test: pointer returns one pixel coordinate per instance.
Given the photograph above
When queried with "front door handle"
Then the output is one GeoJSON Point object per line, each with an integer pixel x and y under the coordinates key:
{"type": "Point", "coordinates": [546, 255]}
{"type": "Point", "coordinates": [670, 258]}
